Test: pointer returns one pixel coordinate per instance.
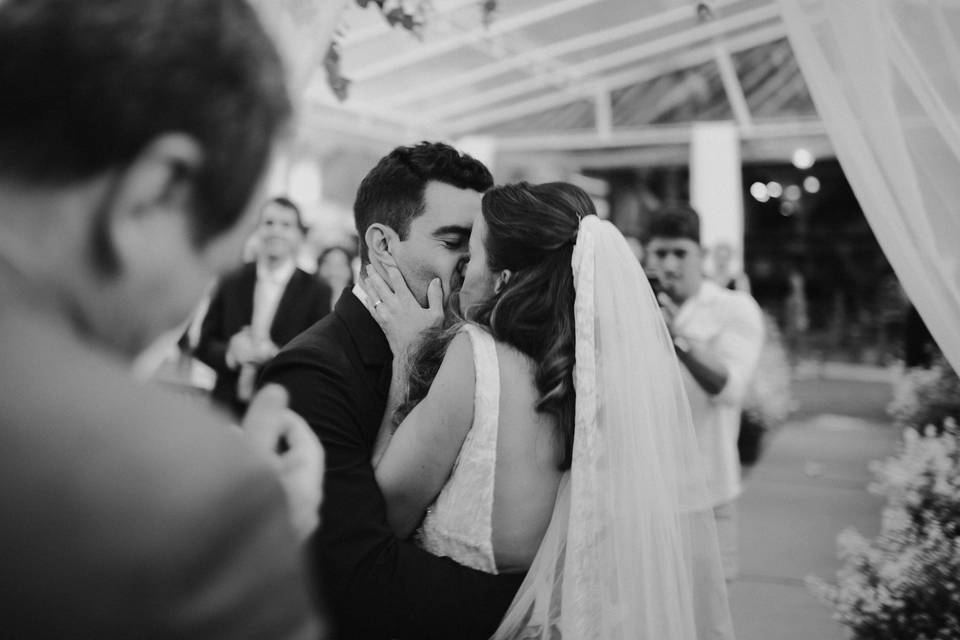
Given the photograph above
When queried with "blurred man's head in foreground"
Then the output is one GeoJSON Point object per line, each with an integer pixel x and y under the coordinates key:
{"type": "Point", "coordinates": [133, 137]}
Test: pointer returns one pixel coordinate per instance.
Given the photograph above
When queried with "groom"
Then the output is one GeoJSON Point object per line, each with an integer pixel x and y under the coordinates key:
{"type": "Point", "coordinates": [414, 210]}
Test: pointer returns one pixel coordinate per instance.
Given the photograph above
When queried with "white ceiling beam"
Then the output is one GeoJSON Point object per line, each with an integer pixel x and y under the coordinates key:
{"type": "Point", "coordinates": [752, 150]}
{"type": "Point", "coordinates": [652, 135]}
{"type": "Point", "coordinates": [614, 81]}
{"type": "Point", "coordinates": [429, 50]}
{"type": "Point", "coordinates": [318, 128]}
{"type": "Point", "coordinates": [551, 51]}
{"type": "Point", "coordinates": [732, 87]}
{"type": "Point", "coordinates": [370, 113]}
{"type": "Point", "coordinates": [599, 64]}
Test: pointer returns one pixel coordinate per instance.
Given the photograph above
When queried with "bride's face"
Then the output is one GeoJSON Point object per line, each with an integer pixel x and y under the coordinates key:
{"type": "Point", "coordinates": [478, 279]}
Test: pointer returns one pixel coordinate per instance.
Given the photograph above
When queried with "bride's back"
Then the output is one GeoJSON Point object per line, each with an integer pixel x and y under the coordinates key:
{"type": "Point", "coordinates": [527, 475]}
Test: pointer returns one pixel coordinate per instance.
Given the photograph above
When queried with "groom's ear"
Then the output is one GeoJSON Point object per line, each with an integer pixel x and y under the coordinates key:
{"type": "Point", "coordinates": [380, 240]}
{"type": "Point", "coordinates": [502, 279]}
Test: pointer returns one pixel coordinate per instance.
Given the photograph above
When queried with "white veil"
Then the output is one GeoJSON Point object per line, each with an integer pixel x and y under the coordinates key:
{"type": "Point", "coordinates": [631, 551]}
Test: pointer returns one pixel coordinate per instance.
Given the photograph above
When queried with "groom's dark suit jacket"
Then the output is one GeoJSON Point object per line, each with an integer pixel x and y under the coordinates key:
{"type": "Point", "coordinates": [338, 376]}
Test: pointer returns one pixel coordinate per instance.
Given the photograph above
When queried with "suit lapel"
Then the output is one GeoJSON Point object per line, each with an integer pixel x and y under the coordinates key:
{"type": "Point", "coordinates": [245, 285]}
{"type": "Point", "coordinates": [369, 342]}
{"type": "Point", "coordinates": [288, 299]}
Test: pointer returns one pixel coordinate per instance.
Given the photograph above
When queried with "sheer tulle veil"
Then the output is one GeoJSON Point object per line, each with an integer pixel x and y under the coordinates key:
{"type": "Point", "coordinates": [631, 551]}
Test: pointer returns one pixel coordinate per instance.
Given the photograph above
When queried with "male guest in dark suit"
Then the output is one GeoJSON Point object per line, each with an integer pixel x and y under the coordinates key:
{"type": "Point", "coordinates": [126, 166]}
{"type": "Point", "coordinates": [414, 210]}
{"type": "Point", "coordinates": [260, 307]}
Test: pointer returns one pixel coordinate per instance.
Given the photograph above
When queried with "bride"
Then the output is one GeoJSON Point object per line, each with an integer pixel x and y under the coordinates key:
{"type": "Point", "coordinates": [547, 431]}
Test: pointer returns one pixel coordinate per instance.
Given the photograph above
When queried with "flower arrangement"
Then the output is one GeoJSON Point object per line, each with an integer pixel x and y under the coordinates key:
{"type": "Point", "coordinates": [926, 396]}
{"type": "Point", "coordinates": [905, 583]}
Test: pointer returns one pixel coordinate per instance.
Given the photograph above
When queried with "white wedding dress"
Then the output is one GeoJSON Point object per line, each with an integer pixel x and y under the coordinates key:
{"type": "Point", "coordinates": [631, 551]}
{"type": "Point", "coordinates": [458, 524]}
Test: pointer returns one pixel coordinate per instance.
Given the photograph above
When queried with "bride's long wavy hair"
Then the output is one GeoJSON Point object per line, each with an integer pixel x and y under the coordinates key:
{"type": "Point", "coordinates": [531, 230]}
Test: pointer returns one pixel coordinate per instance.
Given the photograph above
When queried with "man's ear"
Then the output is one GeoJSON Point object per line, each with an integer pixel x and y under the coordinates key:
{"type": "Point", "coordinates": [155, 189]}
{"type": "Point", "coordinates": [502, 279]}
{"type": "Point", "coordinates": [381, 241]}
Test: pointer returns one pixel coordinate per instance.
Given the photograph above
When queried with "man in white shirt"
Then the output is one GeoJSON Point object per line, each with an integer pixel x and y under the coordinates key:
{"type": "Point", "coordinates": [259, 307]}
{"type": "Point", "coordinates": [718, 335]}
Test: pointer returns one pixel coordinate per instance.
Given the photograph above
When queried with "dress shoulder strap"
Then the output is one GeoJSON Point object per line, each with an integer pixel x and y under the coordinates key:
{"type": "Point", "coordinates": [486, 408]}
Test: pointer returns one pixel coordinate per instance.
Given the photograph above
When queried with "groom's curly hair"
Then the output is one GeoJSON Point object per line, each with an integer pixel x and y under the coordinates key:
{"type": "Point", "coordinates": [531, 230]}
{"type": "Point", "coordinates": [392, 192]}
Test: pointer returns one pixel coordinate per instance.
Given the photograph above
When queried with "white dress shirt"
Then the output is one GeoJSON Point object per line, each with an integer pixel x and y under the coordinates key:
{"type": "Point", "coordinates": [270, 286]}
{"type": "Point", "coordinates": [730, 325]}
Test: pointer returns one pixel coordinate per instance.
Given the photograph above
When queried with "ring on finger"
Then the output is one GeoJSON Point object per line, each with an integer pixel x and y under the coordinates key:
{"type": "Point", "coordinates": [377, 303]}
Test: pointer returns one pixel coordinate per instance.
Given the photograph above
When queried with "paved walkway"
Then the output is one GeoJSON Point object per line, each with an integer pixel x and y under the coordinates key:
{"type": "Point", "coordinates": [809, 486]}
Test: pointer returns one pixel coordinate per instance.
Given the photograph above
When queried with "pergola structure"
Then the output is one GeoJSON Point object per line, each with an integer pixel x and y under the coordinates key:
{"type": "Point", "coordinates": [595, 83]}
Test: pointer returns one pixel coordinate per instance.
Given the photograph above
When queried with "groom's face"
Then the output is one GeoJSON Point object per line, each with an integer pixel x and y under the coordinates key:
{"type": "Point", "coordinates": [437, 240]}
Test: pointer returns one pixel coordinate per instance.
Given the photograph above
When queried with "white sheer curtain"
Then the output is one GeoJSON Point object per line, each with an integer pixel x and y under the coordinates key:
{"type": "Point", "coordinates": [885, 78]}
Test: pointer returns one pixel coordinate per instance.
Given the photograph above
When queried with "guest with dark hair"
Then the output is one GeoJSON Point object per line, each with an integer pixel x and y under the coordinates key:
{"type": "Point", "coordinates": [335, 269]}
{"type": "Point", "coordinates": [259, 307]}
{"type": "Point", "coordinates": [132, 136]}
{"type": "Point", "coordinates": [718, 335]}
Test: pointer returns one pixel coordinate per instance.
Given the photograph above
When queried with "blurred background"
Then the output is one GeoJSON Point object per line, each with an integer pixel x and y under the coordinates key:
{"type": "Point", "coordinates": [639, 102]}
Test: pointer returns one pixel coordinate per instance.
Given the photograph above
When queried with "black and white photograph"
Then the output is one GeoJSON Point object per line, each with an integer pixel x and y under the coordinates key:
{"type": "Point", "coordinates": [480, 319]}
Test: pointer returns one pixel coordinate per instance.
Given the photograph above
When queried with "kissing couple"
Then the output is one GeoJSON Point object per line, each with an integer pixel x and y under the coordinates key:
{"type": "Point", "coordinates": [524, 466]}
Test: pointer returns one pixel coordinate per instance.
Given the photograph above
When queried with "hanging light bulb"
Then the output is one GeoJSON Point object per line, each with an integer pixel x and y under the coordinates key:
{"type": "Point", "coordinates": [802, 159]}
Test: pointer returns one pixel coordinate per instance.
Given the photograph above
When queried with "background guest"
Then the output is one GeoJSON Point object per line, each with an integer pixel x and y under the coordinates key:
{"type": "Point", "coordinates": [723, 273]}
{"type": "Point", "coordinates": [335, 268]}
{"type": "Point", "coordinates": [260, 306]}
{"type": "Point", "coordinates": [718, 334]}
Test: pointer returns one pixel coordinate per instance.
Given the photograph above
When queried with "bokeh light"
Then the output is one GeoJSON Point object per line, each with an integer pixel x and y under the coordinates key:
{"type": "Point", "coordinates": [802, 159]}
{"type": "Point", "coordinates": [759, 192]}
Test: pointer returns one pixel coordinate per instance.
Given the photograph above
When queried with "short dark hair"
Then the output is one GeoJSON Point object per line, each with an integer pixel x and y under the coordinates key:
{"type": "Point", "coordinates": [85, 86]}
{"type": "Point", "coordinates": [392, 193]}
{"type": "Point", "coordinates": [675, 221]}
{"type": "Point", "coordinates": [286, 203]}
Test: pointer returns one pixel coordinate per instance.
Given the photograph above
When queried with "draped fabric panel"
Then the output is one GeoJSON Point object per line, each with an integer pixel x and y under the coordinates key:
{"type": "Point", "coordinates": [885, 78]}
